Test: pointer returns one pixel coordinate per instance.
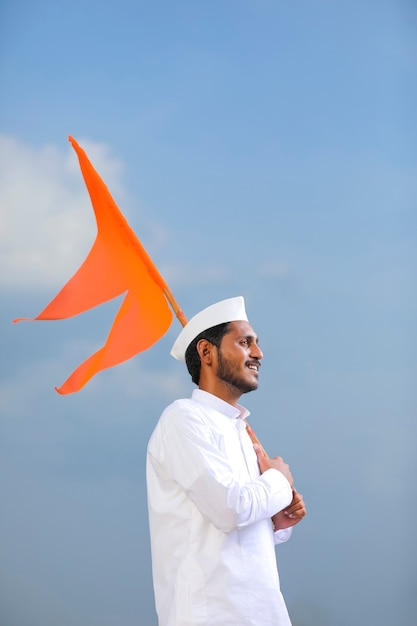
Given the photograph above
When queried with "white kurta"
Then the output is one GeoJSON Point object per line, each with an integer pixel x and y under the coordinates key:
{"type": "Point", "coordinates": [212, 540]}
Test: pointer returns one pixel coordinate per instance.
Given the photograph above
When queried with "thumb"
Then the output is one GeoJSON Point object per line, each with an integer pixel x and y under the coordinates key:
{"type": "Point", "coordinates": [260, 452]}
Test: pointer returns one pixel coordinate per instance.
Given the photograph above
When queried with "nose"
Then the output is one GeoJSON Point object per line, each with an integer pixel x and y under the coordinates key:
{"type": "Point", "coordinates": [256, 352]}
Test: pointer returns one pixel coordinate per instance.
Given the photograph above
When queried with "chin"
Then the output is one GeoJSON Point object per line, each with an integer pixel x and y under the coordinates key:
{"type": "Point", "coordinates": [248, 388]}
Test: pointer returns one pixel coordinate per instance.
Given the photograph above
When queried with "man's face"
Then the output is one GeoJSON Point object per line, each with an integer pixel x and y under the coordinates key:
{"type": "Point", "coordinates": [238, 359]}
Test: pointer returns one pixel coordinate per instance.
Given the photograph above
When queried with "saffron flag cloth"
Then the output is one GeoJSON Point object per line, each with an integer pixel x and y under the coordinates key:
{"type": "Point", "coordinates": [117, 263]}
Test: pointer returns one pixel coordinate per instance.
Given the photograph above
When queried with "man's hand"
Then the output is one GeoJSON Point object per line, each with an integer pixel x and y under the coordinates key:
{"type": "Point", "coordinates": [277, 463]}
{"type": "Point", "coordinates": [292, 514]}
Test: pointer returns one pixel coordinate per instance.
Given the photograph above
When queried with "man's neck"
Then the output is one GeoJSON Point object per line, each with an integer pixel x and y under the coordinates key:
{"type": "Point", "coordinates": [226, 392]}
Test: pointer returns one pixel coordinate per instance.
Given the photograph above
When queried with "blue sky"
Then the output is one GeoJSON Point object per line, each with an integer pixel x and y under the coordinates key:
{"type": "Point", "coordinates": [264, 148]}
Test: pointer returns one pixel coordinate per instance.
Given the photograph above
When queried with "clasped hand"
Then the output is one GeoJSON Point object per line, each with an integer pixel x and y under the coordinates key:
{"type": "Point", "coordinates": [296, 510]}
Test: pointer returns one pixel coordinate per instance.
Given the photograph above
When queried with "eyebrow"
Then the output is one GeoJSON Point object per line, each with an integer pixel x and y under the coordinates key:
{"type": "Point", "coordinates": [252, 337]}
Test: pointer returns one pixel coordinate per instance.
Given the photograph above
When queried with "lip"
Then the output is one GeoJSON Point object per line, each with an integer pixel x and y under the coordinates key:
{"type": "Point", "coordinates": [254, 366]}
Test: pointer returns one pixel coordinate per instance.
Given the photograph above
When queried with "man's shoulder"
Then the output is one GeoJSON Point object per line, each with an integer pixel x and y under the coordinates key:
{"type": "Point", "coordinates": [182, 406]}
{"type": "Point", "coordinates": [181, 415]}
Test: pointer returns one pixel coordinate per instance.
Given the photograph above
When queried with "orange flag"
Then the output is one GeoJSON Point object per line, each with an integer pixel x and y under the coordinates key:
{"type": "Point", "coordinates": [117, 263]}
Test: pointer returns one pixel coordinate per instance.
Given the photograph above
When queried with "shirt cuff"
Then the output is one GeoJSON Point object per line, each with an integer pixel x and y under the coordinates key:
{"type": "Point", "coordinates": [281, 490]}
{"type": "Point", "coordinates": [281, 536]}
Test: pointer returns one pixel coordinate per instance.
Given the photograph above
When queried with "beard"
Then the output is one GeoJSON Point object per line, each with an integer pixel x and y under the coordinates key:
{"type": "Point", "coordinates": [229, 373]}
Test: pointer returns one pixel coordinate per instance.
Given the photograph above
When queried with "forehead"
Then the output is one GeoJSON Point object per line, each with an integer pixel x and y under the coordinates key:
{"type": "Point", "coordinates": [241, 329]}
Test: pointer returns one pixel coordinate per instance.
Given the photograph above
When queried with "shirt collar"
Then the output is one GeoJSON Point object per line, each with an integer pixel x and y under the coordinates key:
{"type": "Point", "coordinates": [235, 412]}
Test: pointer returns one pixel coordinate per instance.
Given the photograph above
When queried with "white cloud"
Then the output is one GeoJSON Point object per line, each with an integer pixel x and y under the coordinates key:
{"type": "Point", "coordinates": [47, 225]}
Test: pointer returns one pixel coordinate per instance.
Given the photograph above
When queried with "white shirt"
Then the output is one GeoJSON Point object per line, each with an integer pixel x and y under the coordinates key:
{"type": "Point", "coordinates": [212, 539]}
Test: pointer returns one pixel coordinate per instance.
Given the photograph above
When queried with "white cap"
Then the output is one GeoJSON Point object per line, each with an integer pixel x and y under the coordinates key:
{"type": "Point", "coordinates": [230, 310]}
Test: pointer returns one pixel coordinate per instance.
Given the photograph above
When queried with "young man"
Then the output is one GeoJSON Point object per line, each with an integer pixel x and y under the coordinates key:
{"type": "Point", "coordinates": [217, 504]}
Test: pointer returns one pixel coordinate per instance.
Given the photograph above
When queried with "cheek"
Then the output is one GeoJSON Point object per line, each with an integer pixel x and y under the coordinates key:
{"type": "Point", "coordinates": [237, 356]}
{"type": "Point", "coordinates": [239, 359]}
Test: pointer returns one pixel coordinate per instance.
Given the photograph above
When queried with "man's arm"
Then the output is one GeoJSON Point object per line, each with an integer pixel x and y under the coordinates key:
{"type": "Point", "coordinates": [190, 455]}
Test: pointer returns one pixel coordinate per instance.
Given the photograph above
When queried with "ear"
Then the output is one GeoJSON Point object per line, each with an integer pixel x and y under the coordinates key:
{"type": "Point", "coordinates": [205, 349]}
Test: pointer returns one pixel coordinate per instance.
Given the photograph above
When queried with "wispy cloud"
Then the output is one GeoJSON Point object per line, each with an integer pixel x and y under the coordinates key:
{"type": "Point", "coordinates": [47, 225]}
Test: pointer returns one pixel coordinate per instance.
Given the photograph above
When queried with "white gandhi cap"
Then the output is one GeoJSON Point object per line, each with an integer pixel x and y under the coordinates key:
{"type": "Point", "coordinates": [230, 310]}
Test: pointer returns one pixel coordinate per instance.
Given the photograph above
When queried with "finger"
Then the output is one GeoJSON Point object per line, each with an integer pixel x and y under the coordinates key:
{"type": "Point", "coordinates": [297, 497]}
{"type": "Point", "coordinates": [297, 508]}
{"type": "Point", "coordinates": [259, 449]}
{"type": "Point", "coordinates": [299, 512]}
{"type": "Point", "coordinates": [255, 440]}
{"type": "Point", "coordinates": [298, 515]}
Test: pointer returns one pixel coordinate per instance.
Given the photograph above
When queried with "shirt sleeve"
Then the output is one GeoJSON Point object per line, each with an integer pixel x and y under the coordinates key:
{"type": "Point", "coordinates": [191, 455]}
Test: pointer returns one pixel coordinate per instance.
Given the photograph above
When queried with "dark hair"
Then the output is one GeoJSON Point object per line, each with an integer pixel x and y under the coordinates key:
{"type": "Point", "coordinates": [214, 335]}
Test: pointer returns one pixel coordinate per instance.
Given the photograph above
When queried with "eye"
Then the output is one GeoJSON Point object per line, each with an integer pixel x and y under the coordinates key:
{"type": "Point", "coordinates": [244, 342]}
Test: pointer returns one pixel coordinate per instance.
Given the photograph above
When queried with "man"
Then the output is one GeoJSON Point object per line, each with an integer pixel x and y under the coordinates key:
{"type": "Point", "coordinates": [217, 503]}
